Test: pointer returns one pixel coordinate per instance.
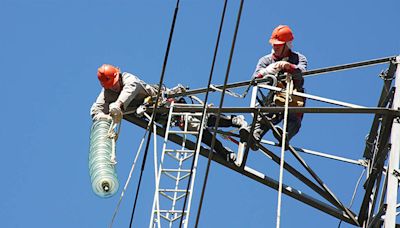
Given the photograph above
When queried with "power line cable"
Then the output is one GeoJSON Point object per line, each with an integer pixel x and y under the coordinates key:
{"type": "Point", "coordinates": [205, 105]}
{"type": "Point", "coordinates": [160, 85]}
{"type": "Point", "coordinates": [219, 112]}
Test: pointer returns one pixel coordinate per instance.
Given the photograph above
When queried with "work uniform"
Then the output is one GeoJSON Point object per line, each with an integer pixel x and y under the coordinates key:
{"type": "Point", "coordinates": [299, 62]}
{"type": "Point", "coordinates": [132, 94]}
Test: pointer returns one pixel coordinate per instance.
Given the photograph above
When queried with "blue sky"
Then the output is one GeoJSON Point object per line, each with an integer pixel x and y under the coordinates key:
{"type": "Point", "coordinates": [49, 54]}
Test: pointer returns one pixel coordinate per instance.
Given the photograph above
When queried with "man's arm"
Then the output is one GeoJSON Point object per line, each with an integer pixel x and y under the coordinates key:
{"type": "Point", "coordinates": [262, 64]}
{"type": "Point", "coordinates": [130, 90]}
{"type": "Point", "coordinates": [100, 105]}
{"type": "Point", "coordinates": [300, 67]}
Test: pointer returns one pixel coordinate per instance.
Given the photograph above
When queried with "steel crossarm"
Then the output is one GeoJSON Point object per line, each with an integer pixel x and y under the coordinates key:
{"type": "Point", "coordinates": [366, 110]}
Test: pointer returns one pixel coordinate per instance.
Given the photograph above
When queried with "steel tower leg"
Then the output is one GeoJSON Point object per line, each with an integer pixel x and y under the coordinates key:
{"type": "Point", "coordinates": [394, 158]}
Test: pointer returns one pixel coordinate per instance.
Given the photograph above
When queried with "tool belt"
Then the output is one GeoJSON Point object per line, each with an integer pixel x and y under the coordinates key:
{"type": "Point", "coordinates": [294, 101]}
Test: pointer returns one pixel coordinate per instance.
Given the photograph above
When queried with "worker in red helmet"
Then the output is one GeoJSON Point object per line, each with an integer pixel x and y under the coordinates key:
{"type": "Point", "coordinates": [282, 59]}
{"type": "Point", "coordinates": [120, 91]}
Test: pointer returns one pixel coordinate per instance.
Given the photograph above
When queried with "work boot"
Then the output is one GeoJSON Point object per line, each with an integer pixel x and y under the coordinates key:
{"type": "Point", "coordinates": [239, 122]}
{"type": "Point", "coordinates": [227, 154]}
{"type": "Point", "coordinates": [244, 136]}
{"type": "Point", "coordinates": [279, 138]}
{"type": "Point", "coordinates": [231, 157]}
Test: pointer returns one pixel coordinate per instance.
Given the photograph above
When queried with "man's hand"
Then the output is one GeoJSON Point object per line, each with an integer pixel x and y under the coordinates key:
{"type": "Point", "coordinates": [283, 65]}
{"type": "Point", "coordinates": [115, 111]}
{"type": "Point", "coordinates": [271, 69]}
{"type": "Point", "coordinates": [101, 116]}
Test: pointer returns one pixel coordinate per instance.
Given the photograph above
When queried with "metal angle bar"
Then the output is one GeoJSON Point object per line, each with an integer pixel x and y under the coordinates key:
{"type": "Point", "coordinates": [393, 159]}
{"type": "Point", "coordinates": [187, 157]}
{"type": "Point", "coordinates": [299, 195]}
{"type": "Point", "coordinates": [170, 175]}
{"type": "Point", "coordinates": [183, 177]}
{"type": "Point", "coordinates": [172, 190]}
{"type": "Point", "coordinates": [305, 74]}
{"type": "Point", "coordinates": [172, 198]}
{"type": "Point", "coordinates": [320, 154]}
{"type": "Point", "coordinates": [166, 217]}
{"type": "Point", "coordinates": [350, 66]}
{"type": "Point", "coordinates": [183, 113]}
{"type": "Point", "coordinates": [185, 105]}
{"type": "Point", "coordinates": [173, 156]}
{"type": "Point", "coordinates": [313, 97]}
{"type": "Point", "coordinates": [375, 196]}
{"type": "Point", "coordinates": [261, 178]}
{"type": "Point", "coordinates": [172, 211]}
{"type": "Point", "coordinates": [378, 216]}
{"type": "Point", "coordinates": [381, 103]}
{"type": "Point", "coordinates": [368, 151]}
{"type": "Point", "coordinates": [167, 196]}
{"type": "Point", "coordinates": [184, 132]}
{"type": "Point", "coordinates": [179, 151]}
{"type": "Point", "coordinates": [367, 110]}
{"type": "Point", "coordinates": [298, 175]}
{"type": "Point", "coordinates": [378, 166]}
{"type": "Point", "coordinates": [249, 139]}
{"type": "Point", "coordinates": [306, 151]}
{"type": "Point", "coordinates": [176, 170]}
{"type": "Point", "coordinates": [181, 196]}
{"type": "Point", "coordinates": [313, 174]}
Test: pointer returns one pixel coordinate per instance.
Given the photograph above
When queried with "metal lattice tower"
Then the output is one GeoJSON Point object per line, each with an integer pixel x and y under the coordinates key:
{"type": "Point", "coordinates": [381, 155]}
{"type": "Point", "coordinates": [174, 173]}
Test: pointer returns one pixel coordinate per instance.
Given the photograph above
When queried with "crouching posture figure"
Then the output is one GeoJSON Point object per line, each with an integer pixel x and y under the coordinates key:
{"type": "Point", "coordinates": [224, 121]}
{"type": "Point", "coordinates": [193, 124]}
{"type": "Point", "coordinates": [281, 60]}
{"type": "Point", "coordinates": [120, 91]}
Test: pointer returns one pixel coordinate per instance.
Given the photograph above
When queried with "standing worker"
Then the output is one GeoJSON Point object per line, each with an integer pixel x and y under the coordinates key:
{"type": "Point", "coordinates": [120, 91]}
{"type": "Point", "coordinates": [281, 60]}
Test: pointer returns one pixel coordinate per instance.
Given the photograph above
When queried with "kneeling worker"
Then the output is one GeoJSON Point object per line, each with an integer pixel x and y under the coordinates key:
{"type": "Point", "coordinates": [281, 60]}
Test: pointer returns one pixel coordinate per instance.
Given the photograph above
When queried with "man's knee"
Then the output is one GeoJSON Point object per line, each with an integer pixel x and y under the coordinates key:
{"type": "Point", "coordinates": [294, 126]}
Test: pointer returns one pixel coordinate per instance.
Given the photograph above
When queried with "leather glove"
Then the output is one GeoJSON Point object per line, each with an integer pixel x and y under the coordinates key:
{"type": "Point", "coordinates": [140, 110]}
{"type": "Point", "coordinates": [101, 116]}
{"type": "Point", "coordinates": [271, 69]}
{"type": "Point", "coordinates": [283, 65]}
{"type": "Point", "coordinates": [115, 111]}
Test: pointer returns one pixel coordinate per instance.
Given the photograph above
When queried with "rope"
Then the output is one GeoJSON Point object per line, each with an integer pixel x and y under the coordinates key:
{"type": "Point", "coordinates": [220, 105]}
{"type": "Point", "coordinates": [354, 193]}
{"type": "Point", "coordinates": [288, 91]}
{"type": "Point", "coordinates": [113, 135]}
{"type": "Point", "coordinates": [155, 108]}
{"type": "Point", "coordinates": [128, 179]}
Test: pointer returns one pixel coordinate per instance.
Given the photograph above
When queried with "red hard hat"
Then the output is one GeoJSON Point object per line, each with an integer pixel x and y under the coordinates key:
{"type": "Point", "coordinates": [108, 75]}
{"type": "Point", "coordinates": [281, 35]}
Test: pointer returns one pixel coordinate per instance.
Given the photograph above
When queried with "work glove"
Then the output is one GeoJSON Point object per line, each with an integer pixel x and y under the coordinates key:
{"type": "Point", "coordinates": [283, 65]}
{"type": "Point", "coordinates": [115, 111]}
{"type": "Point", "coordinates": [101, 116]}
{"type": "Point", "coordinates": [271, 69]}
{"type": "Point", "coordinates": [141, 110]}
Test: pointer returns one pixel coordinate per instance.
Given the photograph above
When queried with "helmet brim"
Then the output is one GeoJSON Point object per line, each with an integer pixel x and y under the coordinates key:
{"type": "Point", "coordinates": [276, 42]}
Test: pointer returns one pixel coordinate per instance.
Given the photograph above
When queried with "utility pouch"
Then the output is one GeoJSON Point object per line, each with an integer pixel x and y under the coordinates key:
{"type": "Point", "coordinates": [280, 98]}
